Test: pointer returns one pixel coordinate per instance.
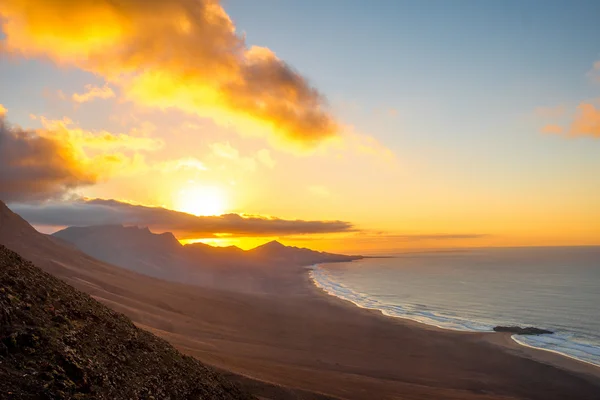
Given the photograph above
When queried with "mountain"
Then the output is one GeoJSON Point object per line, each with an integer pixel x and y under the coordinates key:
{"type": "Point", "coordinates": [57, 342]}
{"type": "Point", "coordinates": [161, 256]}
{"type": "Point", "coordinates": [133, 248]}
{"type": "Point", "coordinates": [277, 253]}
{"type": "Point", "coordinates": [182, 314]}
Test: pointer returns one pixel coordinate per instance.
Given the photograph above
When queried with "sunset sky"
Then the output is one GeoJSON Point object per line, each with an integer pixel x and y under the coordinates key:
{"type": "Point", "coordinates": [335, 125]}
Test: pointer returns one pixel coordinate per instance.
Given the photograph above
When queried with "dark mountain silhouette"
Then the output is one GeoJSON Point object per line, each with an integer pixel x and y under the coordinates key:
{"type": "Point", "coordinates": [59, 343]}
{"type": "Point", "coordinates": [162, 256]}
{"type": "Point", "coordinates": [277, 253]}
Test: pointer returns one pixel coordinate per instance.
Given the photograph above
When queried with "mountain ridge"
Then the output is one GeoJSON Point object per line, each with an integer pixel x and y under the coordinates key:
{"type": "Point", "coordinates": [162, 256]}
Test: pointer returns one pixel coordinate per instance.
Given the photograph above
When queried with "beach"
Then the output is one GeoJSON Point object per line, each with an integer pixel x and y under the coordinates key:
{"type": "Point", "coordinates": [290, 340]}
{"type": "Point", "coordinates": [319, 346]}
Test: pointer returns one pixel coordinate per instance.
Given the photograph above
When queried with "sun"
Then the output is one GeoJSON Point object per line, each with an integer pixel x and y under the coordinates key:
{"type": "Point", "coordinates": [201, 200]}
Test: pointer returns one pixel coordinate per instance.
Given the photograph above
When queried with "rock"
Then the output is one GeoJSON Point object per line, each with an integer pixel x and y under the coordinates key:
{"type": "Point", "coordinates": [530, 330]}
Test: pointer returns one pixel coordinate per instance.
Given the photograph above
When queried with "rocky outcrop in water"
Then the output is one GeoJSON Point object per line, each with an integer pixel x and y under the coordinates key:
{"type": "Point", "coordinates": [517, 330]}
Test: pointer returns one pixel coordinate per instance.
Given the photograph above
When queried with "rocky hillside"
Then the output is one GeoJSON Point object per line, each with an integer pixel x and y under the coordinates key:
{"type": "Point", "coordinates": [59, 343]}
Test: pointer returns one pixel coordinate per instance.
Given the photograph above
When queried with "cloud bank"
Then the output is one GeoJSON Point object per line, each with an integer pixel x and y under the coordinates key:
{"type": "Point", "coordinates": [48, 163]}
{"type": "Point", "coordinates": [179, 53]}
{"type": "Point", "coordinates": [185, 226]}
{"type": "Point", "coordinates": [38, 166]}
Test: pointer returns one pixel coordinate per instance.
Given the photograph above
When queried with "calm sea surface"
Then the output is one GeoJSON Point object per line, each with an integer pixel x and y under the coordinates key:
{"type": "Point", "coordinates": [475, 290]}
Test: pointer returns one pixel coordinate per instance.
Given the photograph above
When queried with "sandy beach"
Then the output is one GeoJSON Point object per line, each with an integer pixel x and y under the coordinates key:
{"type": "Point", "coordinates": [291, 340]}
{"type": "Point", "coordinates": [319, 346]}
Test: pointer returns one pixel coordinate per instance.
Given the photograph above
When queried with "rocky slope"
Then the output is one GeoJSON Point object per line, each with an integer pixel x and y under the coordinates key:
{"type": "Point", "coordinates": [59, 343]}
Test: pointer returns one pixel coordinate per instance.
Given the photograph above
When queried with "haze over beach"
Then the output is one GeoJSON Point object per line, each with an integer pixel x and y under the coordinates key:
{"type": "Point", "coordinates": [299, 200]}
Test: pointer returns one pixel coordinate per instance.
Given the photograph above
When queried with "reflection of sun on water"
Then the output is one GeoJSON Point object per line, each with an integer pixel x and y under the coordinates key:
{"type": "Point", "coordinates": [201, 200]}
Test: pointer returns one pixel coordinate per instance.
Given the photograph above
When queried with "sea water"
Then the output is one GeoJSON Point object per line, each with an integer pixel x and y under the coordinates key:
{"type": "Point", "coordinates": [555, 288]}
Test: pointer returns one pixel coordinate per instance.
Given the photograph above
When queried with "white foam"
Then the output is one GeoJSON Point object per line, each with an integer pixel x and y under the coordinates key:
{"type": "Point", "coordinates": [560, 343]}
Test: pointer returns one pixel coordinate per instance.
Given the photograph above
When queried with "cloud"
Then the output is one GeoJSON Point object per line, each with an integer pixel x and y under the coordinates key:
{"type": "Point", "coordinates": [264, 157]}
{"type": "Point", "coordinates": [180, 53]}
{"type": "Point", "coordinates": [227, 151]}
{"type": "Point", "coordinates": [594, 73]}
{"type": "Point", "coordinates": [93, 92]}
{"type": "Point", "coordinates": [585, 122]}
{"type": "Point", "coordinates": [100, 140]}
{"type": "Point", "coordinates": [35, 165]}
{"type": "Point", "coordinates": [48, 163]}
{"type": "Point", "coordinates": [185, 226]}
{"type": "Point", "coordinates": [181, 164]}
{"type": "Point", "coordinates": [553, 129]}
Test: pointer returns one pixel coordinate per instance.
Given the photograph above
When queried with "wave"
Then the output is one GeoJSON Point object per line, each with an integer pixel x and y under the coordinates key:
{"type": "Point", "coordinates": [564, 345]}
{"type": "Point", "coordinates": [561, 343]}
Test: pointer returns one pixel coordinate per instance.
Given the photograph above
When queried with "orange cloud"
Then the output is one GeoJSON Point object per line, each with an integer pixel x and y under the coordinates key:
{"type": "Point", "coordinates": [35, 165]}
{"type": "Point", "coordinates": [180, 53]}
{"type": "Point", "coordinates": [93, 92]}
{"type": "Point", "coordinates": [586, 122]}
{"type": "Point", "coordinates": [552, 129]}
{"type": "Point", "coordinates": [98, 141]}
{"type": "Point", "coordinates": [49, 163]}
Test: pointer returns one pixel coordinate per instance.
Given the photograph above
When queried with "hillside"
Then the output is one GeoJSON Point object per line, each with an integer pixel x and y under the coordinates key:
{"type": "Point", "coordinates": [135, 248]}
{"type": "Point", "coordinates": [57, 342]}
{"type": "Point", "coordinates": [161, 256]}
{"type": "Point", "coordinates": [156, 305]}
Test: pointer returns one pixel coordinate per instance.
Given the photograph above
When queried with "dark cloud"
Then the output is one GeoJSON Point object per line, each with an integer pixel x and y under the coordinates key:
{"type": "Point", "coordinates": [37, 166]}
{"type": "Point", "coordinates": [106, 212]}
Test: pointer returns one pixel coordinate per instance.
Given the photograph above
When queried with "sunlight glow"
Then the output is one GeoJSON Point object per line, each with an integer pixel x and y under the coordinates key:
{"type": "Point", "coordinates": [201, 200]}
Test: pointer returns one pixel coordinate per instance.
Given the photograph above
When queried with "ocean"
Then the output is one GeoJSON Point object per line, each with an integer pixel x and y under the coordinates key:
{"type": "Point", "coordinates": [555, 288]}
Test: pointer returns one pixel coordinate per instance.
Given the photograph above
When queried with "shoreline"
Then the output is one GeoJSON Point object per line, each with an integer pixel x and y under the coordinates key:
{"type": "Point", "coordinates": [542, 355]}
{"type": "Point", "coordinates": [279, 328]}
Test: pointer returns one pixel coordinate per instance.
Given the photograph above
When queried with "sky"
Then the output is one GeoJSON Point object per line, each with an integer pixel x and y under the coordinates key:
{"type": "Point", "coordinates": [338, 125]}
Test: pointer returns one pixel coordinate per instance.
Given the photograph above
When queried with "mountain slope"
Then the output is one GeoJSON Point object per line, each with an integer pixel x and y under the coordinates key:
{"type": "Point", "coordinates": [141, 250]}
{"type": "Point", "coordinates": [277, 253]}
{"type": "Point", "coordinates": [133, 248]}
{"type": "Point", "coordinates": [160, 255]}
{"type": "Point", "coordinates": [56, 342]}
{"type": "Point", "coordinates": [170, 310]}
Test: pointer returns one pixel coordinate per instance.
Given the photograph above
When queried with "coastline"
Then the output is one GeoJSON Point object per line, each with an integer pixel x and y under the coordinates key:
{"type": "Point", "coordinates": [287, 339]}
{"type": "Point", "coordinates": [504, 341]}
